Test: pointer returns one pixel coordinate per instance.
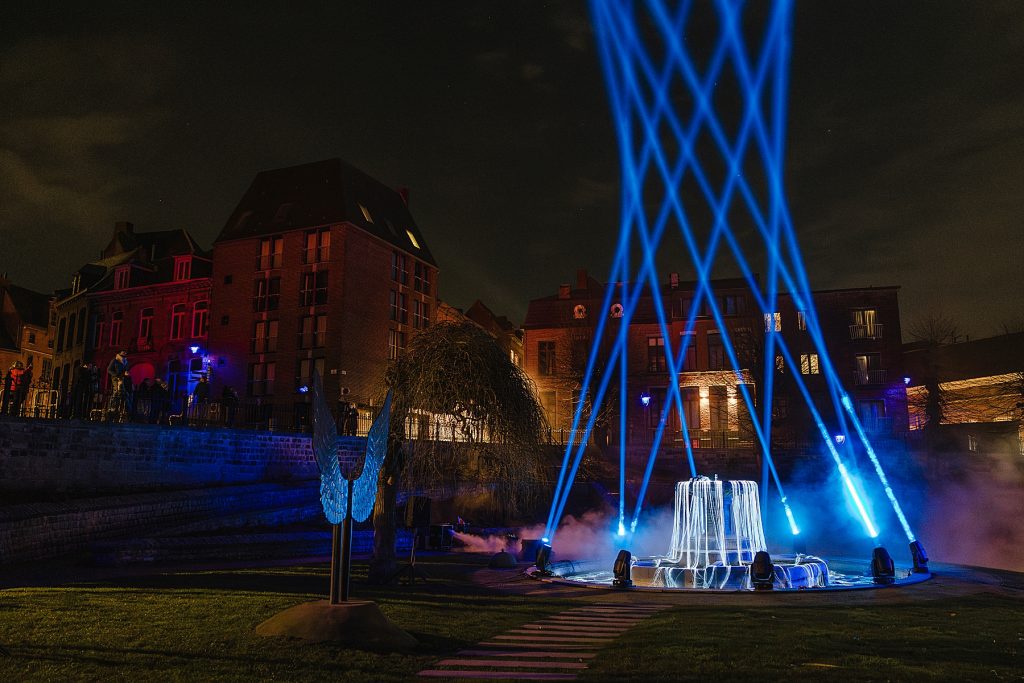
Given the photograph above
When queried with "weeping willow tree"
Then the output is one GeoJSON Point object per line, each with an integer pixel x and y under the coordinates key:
{"type": "Point", "coordinates": [454, 385]}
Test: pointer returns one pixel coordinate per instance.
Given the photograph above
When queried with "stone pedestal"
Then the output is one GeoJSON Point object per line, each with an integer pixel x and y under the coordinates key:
{"type": "Point", "coordinates": [357, 623]}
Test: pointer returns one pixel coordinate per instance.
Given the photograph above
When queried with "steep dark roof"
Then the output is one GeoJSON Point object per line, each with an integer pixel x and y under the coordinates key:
{"type": "Point", "coordinates": [987, 357]}
{"type": "Point", "coordinates": [322, 193]}
{"type": "Point", "coordinates": [33, 307]}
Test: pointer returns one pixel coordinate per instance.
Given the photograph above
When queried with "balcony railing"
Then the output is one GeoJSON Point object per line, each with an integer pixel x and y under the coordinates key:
{"type": "Point", "coordinates": [863, 378]}
{"type": "Point", "coordinates": [866, 331]}
{"type": "Point", "coordinates": [878, 425]}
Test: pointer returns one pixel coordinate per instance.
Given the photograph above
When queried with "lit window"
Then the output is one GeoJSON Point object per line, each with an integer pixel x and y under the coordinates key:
{"type": "Point", "coordinates": [264, 336]}
{"type": "Point", "coordinates": [200, 318]}
{"type": "Point", "coordinates": [770, 318]}
{"type": "Point", "coordinates": [366, 213]}
{"type": "Point", "coordinates": [972, 443]}
{"type": "Point", "coordinates": [546, 357]}
{"type": "Point", "coordinates": [656, 361]}
{"type": "Point", "coordinates": [399, 268]}
{"type": "Point", "coordinates": [115, 328]}
{"type": "Point", "coordinates": [271, 253]}
{"type": "Point", "coordinates": [183, 268]}
{"type": "Point", "coordinates": [318, 246]}
{"type": "Point", "coordinates": [122, 277]}
{"type": "Point", "coordinates": [178, 321]}
{"type": "Point", "coordinates": [809, 364]}
{"type": "Point", "coordinates": [412, 238]}
{"type": "Point", "coordinates": [396, 343]}
{"type": "Point", "coordinates": [146, 323]}
{"type": "Point", "coordinates": [261, 378]}
{"type": "Point", "coordinates": [780, 364]}
{"type": "Point", "coordinates": [421, 278]}
{"type": "Point", "coordinates": [801, 320]}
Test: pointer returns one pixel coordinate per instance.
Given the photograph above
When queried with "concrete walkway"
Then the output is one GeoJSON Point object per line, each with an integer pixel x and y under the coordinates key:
{"type": "Point", "coordinates": [556, 648]}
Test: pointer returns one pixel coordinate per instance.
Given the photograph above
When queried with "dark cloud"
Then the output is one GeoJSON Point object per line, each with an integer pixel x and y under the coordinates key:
{"type": "Point", "coordinates": [906, 130]}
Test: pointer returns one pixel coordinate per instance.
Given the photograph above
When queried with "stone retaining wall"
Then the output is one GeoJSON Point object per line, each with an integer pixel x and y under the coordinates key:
{"type": "Point", "coordinates": [46, 456]}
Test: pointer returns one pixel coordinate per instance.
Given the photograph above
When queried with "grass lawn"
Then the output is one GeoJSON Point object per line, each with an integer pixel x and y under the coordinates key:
{"type": "Point", "coordinates": [200, 626]}
{"type": "Point", "coordinates": [976, 638]}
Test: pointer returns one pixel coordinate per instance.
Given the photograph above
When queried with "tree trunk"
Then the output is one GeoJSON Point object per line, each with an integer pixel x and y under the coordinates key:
{"type": "Point", "coordinates": [384, 563]}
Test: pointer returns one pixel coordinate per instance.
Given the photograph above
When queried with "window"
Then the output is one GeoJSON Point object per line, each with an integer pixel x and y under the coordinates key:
{"type": "Point", "coordinates": [264, 336]}
{"type": "Point", "coordinates": [146, 324]}
{"type": "Point", "coordinates": [420, 315]}
{"type": "Point", "coordinates": [261, 378]}
{"type": "Point", "coordinates": [399, 307]}
{"type": "Point", "coordinates": [396, 343]}
{"type": "Point", "coordinates": [773, 321]}
{"type": "Point", "coordinates": [80, 332]}
{"type": "Point", "coordinates": [313, 288]}
{"type": "Point", "coordinates": [60, 334]}
{"type": "Point", "coordinates": [98, 326]}
{"type": "Point", "coordinates": [546, 358]}
{"type": "Point", "coordinates": [366, 213]}
{"type": "Point", "coordinates": [31, 337]}
{"type": "Point", "coordinates": [399, 268]}
{"type": "Point", "coordinates": [865, 324]}
{"type": "Point", "coordinates": [801, 320]}
{"type": "Point", "coordinates": [304, 371]}
{"type": "Point", "coordinates": [871, 411]}
{"type": "Point", "coordinates": [268, 294]}
{"type": "Point", "coordinates": [690, 357]}
{"type": "Point", "coordinates": [69, 342]}
{"type": "Point", "coordinates": [183, 268]}
{"type": "Point", "coordinates": [780, 407]}
{"type": "Point", "coordinates": [656, 361]}
{"type": "Point", "coordinates": [318, 246]}
{"type": "Point", "coordinates": [115, 328]}
{"type": "Point", "coordinates": [271, 253]}
{"type": "Point", "coordinates": [122, 277]}
{"type": "Point", "coordinates": [178, 321]}
{"type": "Point", "coordinates": [972, 443]}
{"type": "Point", "coordinates": [200, 318]}
{"type": "Point", "coordinates": [681, 307]}
{"type": "Point", "coordinates": [412, 238]}
{"type": "Point", "coordinates": [691, 406]}
{"type": "Point", "coordinates": [718, 404]}
{"type": "Point", "coordinates": [733, 304]}
{"type": "Point", "coordinates": [809, 364]}
{"type": "Point", "coordinates": [716, 352]}
{"type": "Point", "coordinates": [869, 368]}
{"type": "Point", "coordinates": [313, 332]}
{"type": "Point", "coordinates": [780, 364]}
{"type": "Point", "coordinates": [421, 277]}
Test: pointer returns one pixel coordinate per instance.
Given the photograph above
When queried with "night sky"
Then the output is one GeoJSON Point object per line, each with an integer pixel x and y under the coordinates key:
{"type": "Point", "coordinates": [905, 160]}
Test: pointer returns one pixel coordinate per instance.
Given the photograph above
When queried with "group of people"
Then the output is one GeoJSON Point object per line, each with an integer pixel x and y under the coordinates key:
{"type": "Point", "coordinates": [15, 387]}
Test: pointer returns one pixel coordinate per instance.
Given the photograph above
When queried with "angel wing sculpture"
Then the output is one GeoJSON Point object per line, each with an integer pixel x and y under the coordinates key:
{"type": "Point", "coordinates": [335, 475]}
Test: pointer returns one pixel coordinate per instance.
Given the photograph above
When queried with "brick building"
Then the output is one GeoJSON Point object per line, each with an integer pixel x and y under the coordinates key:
{"type": "Point", "coordinates": [861, 329]}
{"type": "Point", "coordinates": [25, 330]}
{"type": "Point", "coordinates": [319, 268]}
{"type": "Point", "coordinates": [508, 337]}
{"type": "Point", "coordinates": [975, 389]}
{"type": "Point", "coordinates": [147, 294]}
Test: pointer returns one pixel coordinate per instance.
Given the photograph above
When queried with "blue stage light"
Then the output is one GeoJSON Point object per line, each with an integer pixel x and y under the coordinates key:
{"type": "Point", "coordinates": [638, 93]}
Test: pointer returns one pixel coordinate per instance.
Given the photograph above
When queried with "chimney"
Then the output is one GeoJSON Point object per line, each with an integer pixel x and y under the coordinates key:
{"type": "Point", "coordinates": [403, 192]}
{"type": "Point", "coordinates": [564, 291]}
{"type": "Point", "coordinates": [581, 278]}
{"type": "Point", "coordinates": [673, 280]}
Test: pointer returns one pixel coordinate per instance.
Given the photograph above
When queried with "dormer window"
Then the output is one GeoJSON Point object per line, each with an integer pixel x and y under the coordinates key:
{"type": "Point", "coordinates": [182, 268]}
{"type": "Point", "coordinates": [122, 277]}
{"type": "Point", "coordinates": [412, 238]}
{"type": "Point", "coordinates": [366, 213]}
{"type": "Point", "coordinates": [76, 283]}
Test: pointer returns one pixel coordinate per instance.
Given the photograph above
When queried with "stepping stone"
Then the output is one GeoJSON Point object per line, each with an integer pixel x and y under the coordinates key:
{"type": "Point", "coordinates": [512, 663]}
{"type": "Point", "coordinates": [553, 639]}
{"type": "Point", "coordinates": [507, 675]}
{"type": "Point", "coordinates": [517, 653]}
{"type": "Point", "coordinates": [573, 627]}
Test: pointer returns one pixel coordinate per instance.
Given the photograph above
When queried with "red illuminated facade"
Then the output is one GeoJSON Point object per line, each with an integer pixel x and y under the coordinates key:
{"type": "Point", "coordinates": [149, 295]}
{"type": "Point", "coordinates": [320, 268]}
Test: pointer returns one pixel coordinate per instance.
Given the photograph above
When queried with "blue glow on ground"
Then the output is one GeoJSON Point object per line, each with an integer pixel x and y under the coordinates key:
{"type": "Point", "coordinates": [639, 97]}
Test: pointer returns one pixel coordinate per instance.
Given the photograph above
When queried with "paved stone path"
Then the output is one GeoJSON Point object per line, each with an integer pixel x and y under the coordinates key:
{"type": "Point", "coordinates": [556, 648]}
